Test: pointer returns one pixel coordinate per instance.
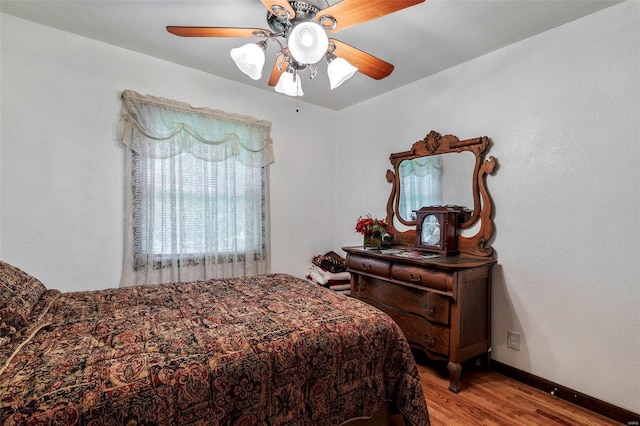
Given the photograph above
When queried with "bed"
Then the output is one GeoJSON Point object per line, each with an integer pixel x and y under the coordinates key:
{"type": "Point", "coordinates": [261, 350]}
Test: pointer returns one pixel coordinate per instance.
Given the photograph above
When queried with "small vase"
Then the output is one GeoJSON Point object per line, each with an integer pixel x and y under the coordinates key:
{"type": "Point", "coordinates": [372, 241]}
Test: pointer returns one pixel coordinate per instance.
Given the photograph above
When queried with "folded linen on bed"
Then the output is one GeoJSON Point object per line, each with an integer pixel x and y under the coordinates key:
{"type": "Point", "coordinates": [331, 262]}
{"type": "Point", "coordinates": [340, 287]}
{"type": "Point", "coordinates": [323, 277]}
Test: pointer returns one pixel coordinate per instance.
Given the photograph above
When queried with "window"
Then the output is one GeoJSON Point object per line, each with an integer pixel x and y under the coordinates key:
{"type": "Point", "coordinates": [197, 205]}
{"type": "Point", "coordinates": [198, 209]}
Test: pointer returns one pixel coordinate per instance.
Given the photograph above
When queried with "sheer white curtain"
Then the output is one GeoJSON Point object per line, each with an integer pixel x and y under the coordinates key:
{"type": "Point", "coordinates": [421, 183]}
{"type": "Point", "coordinates": [197, 192]}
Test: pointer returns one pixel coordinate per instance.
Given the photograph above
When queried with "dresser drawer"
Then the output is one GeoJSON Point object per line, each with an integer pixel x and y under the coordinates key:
{"type": "Point", "coordinates": [432, 306]}
{"type": "Point", "coordinates": [425, 335]}
{"type": "Point", "coordinates": [421, 276]}
{"type": "Point", "coordinates": [368, 265]}
{"type": "Point", "coordinates": [420, 333]}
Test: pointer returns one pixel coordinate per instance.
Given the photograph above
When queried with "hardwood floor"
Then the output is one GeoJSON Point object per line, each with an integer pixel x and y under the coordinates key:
{"type": "Point", "coordinates": [489, 398]}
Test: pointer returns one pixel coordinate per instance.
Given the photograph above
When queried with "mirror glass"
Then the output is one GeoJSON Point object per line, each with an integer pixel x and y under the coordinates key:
{"type": "Point", "coordinates": [435, 180]}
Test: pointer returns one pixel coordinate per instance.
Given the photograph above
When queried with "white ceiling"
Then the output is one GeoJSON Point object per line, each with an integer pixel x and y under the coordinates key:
{"type": "Point", "coordinates": [418, 41]}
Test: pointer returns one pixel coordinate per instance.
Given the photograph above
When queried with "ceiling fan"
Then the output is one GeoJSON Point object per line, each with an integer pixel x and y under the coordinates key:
{"type": "Point", "coordinates": [304, 26]}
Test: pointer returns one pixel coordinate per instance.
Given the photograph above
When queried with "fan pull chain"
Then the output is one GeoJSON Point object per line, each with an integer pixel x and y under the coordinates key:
{"type": "Point", "coordinates": [295, 80]}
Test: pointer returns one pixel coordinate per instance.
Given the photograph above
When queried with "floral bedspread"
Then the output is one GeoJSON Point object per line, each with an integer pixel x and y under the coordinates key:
{"type": "Point", "coordinates": [262, 350]}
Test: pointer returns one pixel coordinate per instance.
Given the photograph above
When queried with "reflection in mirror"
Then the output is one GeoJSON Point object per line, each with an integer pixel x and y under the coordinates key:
{"type": "Point", "coordinates": [457, 179]}
{"type": "Point", "coordinates": [420, 185]}
{"type": "Point", "coordinates": [435, 180]}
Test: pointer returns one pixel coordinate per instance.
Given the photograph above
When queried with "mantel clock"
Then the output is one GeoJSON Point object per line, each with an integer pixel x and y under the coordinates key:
{"type": "Point", "coordinates": [437, 229]}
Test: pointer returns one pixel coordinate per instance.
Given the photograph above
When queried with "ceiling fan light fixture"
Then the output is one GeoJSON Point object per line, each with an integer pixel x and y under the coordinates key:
{"type": "Point", "coordinates": [300, 29]}
{"type": "Point", "coordinates": [339, 70]}
{"type": "Point", "coordinates": [250, 59]}
{"type": "Point", "coordinates": [308, 42]}
{"type": "Point", "coordinates": [289, 84]}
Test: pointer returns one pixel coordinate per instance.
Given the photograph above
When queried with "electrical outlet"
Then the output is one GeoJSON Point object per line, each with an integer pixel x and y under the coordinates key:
{"type": "Point", "coordinates": [513, 340]}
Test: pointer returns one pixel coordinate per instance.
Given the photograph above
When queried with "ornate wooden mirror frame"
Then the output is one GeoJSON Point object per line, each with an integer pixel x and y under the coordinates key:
{"type": "Point", "coordinates": [434, 144]}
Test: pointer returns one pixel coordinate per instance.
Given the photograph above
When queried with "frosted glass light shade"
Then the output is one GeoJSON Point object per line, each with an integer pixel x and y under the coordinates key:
{"type": "Point", "coordinates": [308, 42]}
{"type": "Point", "coordinates": [287, 86]}
{"type": "Point", "coordinates": [340, 70]}
{"type": "Point", "coordinates": [250, 59]}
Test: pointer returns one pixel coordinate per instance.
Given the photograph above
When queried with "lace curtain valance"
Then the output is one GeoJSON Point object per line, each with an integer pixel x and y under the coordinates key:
{"type": "Point", "coordinates": [162, 128]}
{"type": "Point", "coordinates": [421, 167]}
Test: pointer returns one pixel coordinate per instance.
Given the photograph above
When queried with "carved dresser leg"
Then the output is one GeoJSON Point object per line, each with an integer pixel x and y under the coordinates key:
{"type": "Point", "coordinates": [455, 371]}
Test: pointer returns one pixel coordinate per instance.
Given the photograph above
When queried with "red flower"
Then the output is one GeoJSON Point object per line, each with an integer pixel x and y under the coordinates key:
{"type": "Point", "coordinates": [368, 225]}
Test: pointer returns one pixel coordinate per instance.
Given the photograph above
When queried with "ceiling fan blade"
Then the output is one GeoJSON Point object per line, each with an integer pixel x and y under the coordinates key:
{"type": "Point", "coordinates": [277, 72]}
{"type": "Point", "coordinates": [366, 63]}
{"type": "Point", "coordinates": [348, 13]}
{"type": "Point", "coordinates": [217, 32]}
{"type": "Point", "coordinates": [278, 8]}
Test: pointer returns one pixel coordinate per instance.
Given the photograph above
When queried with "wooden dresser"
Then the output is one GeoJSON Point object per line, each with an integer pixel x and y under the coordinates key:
{"type": "Point", "coordinates": [442, 304]}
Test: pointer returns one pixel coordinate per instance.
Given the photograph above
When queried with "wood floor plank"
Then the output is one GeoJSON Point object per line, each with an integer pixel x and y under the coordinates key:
{"type": "Point", "coordinates": [488, 398]}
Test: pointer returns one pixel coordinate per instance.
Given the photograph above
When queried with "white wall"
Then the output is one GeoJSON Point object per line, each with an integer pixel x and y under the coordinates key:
{"type": "Point", "coordinates": [61, 168]}
{"type": "Point", "coordinates": [562, 109]}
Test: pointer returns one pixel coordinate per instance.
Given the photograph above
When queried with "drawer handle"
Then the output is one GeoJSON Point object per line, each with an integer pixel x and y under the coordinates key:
{"type": "Point", "coordinates": [366, 267]}
{"type": "Point", "coordinates": [429, 310]}
{"type": "Point", "coordinates": [429, 340]}
{"type": "Point", "coordinates": [415, 279]}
